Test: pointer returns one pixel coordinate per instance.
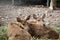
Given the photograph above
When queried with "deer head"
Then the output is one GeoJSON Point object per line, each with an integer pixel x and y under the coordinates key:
{"type": "Point", "coordinates": [37, 21]}
{"type": "Point", "coordinates": [24, 22]}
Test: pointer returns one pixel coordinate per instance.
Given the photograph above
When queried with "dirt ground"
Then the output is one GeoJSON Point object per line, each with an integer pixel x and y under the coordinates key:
{"type": "Point", "coordinates": [8, 13]}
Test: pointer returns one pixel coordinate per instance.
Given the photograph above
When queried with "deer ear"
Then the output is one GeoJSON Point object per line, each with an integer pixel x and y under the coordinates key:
{"type": "Point", "coordinates": [34, 16]}
{"type": "Point", "coordinates": [43, 16]}
{"type": "Point", "coordinates": [27, 17]}
{"type": "Point", "coordinates": [19, 19]}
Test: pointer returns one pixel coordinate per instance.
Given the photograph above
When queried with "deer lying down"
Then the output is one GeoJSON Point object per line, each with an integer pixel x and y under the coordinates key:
{"type": "Point", "coordinates": [15, 32]}
{"type": "Point", "coordinates": [37, 28]}
{"type": "Point", "coordinates": [40, 29]}
{"type": "Point", "coordinates": [59, 37]}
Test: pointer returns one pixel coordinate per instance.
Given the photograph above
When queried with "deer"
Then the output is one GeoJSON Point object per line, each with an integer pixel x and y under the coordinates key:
{"type": "Point", "coordinates": [38, 28]}
{"type": "Point", "coordinates": [59, 37]}
{"type": "Point", "coordinates": [16, 32]}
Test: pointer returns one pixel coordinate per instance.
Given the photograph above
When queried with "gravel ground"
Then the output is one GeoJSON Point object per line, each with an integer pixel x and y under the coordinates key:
{"type": "Point", "coordinates": [8, 13]}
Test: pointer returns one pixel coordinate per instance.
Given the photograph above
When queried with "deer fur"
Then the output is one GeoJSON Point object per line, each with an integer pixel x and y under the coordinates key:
{"type": "Point", "coordinates": [59, 37]}
{"type": "Point", "coordinates": [15, 32]}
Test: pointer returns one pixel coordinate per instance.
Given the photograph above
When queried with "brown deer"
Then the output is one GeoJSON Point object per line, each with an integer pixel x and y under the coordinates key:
{"type": "Point", "coordinates": [37, 28]}
{"type": "Point", "coordinates": [16, 32]}
{"type": "Point", "coordinates": [59, 37]}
